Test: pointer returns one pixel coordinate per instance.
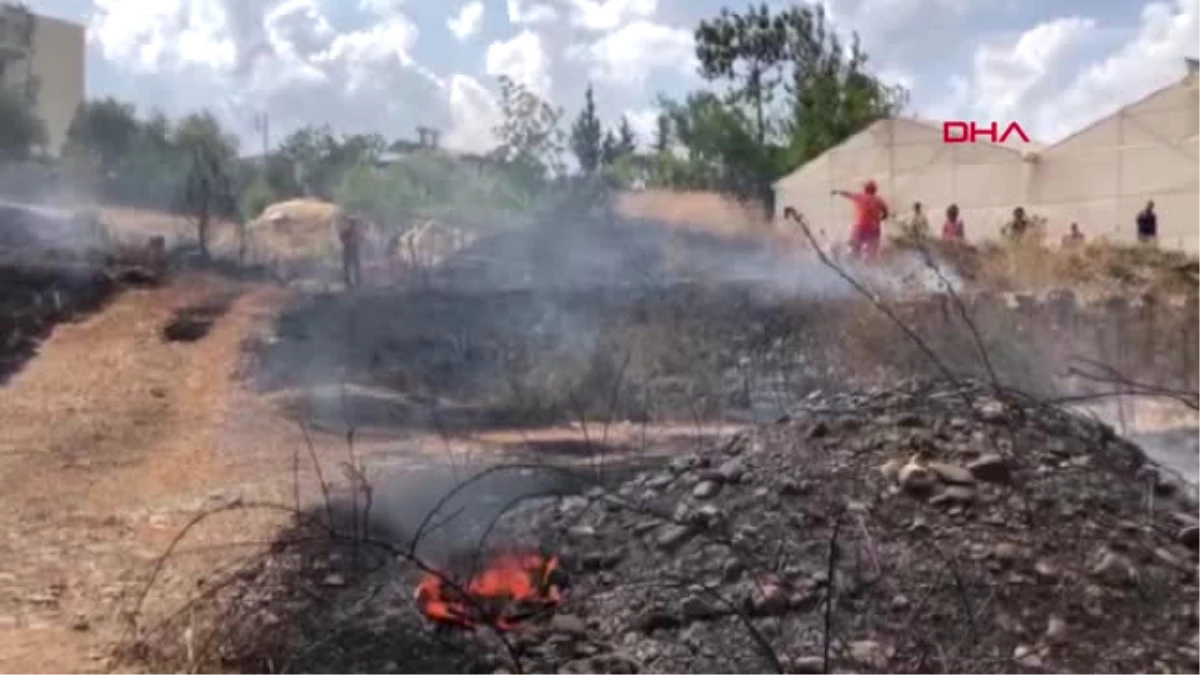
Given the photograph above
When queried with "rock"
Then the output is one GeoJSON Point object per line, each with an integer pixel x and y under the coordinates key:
{"type": "Point", "coordinates": [991, 468]}
{"type": "Point", "coordinates": [952, 473]}
{"type": "Point", "coordinates": [732, 471]}
{"type": "Point", "coordinates": [869, 653]}
{"type": "Point", "coordinates": [990, 410]}
{"type": "Point", "coordinates": [807, 664]}
{"type": "Point", "coordinates": [1056, 630]}
{"type": "Point", "coordinates": [891, 468]}
{"type": "Point", "coordinates": [1114, 568]}
{"type": "Point", "coordinates": [818, 430]}
{"type": "Point", "coordinates": [671, 537]}
{"type": "Point", "coordinates": [954, 495]}
{"type": "Point", "coordinates": [789, 487]}
{"type": "Point", "coordinates": [581, 532]}
{"type": "Point", "coordinates": [1189, 535]}
{"type": "Point", "coordinates": [697, 607]}
{"type": "Point", "coordinates": [732, 568]}
{"type": "Point", "coordinates": [659, 481]}
{"type": "Point", "coordinates": [569, 624]}
{"type": "Point", "coordinates": [916, 478]}
{"type": "Point", "coordinates": [1006, 552]}
{"type": "Point", "coordinates": [768, 599]}
{"type": "Point", "coordinates": [1045, 570]}
{"type": "Point", "coordinates": [334, 580]}
{"type": "Point", "coordinates": [81, 623]}
{"type": "Point", "coordinates": [1027, 657]}
{"type": "Point", "coordinates": [709, 515]}
{"type": "Point", "coordinates": [618, 663]}
{"type": "Point", "coordinates": [706, 489]}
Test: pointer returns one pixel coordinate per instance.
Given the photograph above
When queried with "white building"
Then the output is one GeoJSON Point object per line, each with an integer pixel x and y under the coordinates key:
{"type": "Point", "coordinates": [43, 58]}
{"type": "Point", "coordinates": [1099, 177]}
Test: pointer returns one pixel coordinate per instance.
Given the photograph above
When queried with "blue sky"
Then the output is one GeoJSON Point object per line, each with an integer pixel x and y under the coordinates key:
{"type": "Point", "coordinates": [390, 65]}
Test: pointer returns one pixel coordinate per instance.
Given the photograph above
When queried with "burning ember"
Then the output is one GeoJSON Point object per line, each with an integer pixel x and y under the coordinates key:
{"type": "Point", "coordinates": [510, 588]}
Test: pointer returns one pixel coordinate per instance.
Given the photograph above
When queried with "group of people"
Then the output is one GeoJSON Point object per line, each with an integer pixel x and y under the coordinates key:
{"type": "Point", "coordinates": [871, 211]}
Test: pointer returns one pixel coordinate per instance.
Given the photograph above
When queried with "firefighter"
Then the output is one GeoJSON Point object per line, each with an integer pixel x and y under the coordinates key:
{"type": "Point", "coordinates": [870, 212]}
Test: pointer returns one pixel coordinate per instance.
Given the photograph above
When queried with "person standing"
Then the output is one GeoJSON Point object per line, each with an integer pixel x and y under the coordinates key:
{"type": "Point", "coordinates": [870, 212]}
{"type": "Point", "coordinates": [1147, 224]}
{"type": "Point", "coordinates": [1073, 238]}
{"type": "Point", "coordinates": [918, 224]}
{"type": "Point", "coordinates": [1017, 227]}
{"type": "Point", "coordinates": [953, 229]}
{"type": "Point", "coordinates": [350, 233]}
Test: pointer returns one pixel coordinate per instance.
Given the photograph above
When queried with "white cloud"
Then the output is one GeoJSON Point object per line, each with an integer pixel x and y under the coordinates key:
{"type": "Point", "coordinates": [150, 34]}
{"type": "Point", "coordinates": [627, 55]}
{"type": "Point", "coordinates": [474, 112]}
{"type": "Point", "coordinates": [604, 15]}
{"type": "Point", "coordinates": [1152, 59]}
{"type": "Point", "coordinates": [523, 60]}
{"type": "Point", "coordinates": [530, 12]}
{"type": "Point", "coordinates": [468, 21]}
{"type": "Point", "coordinates": [644, 122]}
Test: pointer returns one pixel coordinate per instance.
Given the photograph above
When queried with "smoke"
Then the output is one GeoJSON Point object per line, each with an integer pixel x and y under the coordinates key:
{"type": "Point", "coordinates": [443, 512]}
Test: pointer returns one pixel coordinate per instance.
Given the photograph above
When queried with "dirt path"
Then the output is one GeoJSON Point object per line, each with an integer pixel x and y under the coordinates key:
{"type": "Point", "coordinates": [111, 438]}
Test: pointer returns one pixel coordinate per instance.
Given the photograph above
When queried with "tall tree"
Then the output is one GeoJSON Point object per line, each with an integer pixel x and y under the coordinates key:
{"type": "Point", "coordinates": [832, 95]}
{"type": "Point", "coordinates": [107, 128]}
{"type": "Point", "coordinates": [531, 142]}
{"type": "Point", "coordinates": [626, 138]}
{"type": "Point", "coordinates": [586, 136]}
{"type": "Point", "coordinates": [21, 130]}
{"type": "Point", "coordinates": [209, 155]}
{"type": "Point", "coordinates": [662, 134]}
{"type": "Point", "coordinates": [746, 50]}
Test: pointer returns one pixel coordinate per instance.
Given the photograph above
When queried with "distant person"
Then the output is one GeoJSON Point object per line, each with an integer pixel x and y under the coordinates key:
{"type": "Point", "coordinates": [1147, 224]}
{"type": "Point", "coordinates": [1016, 228]}
{"type": "Point", "coordinates": [918, 224]}
{"type": "Point", "coordinates": [870, 212]}
{"type": "Point", "coordinates": [1073, 238]}
{"type": "Point", "coordinates": [953, 229]}
{"type": "Point", "coordinates": [350, 233]}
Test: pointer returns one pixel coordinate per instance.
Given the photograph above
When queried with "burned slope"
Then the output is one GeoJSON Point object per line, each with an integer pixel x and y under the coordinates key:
{"type": "Point", "coordinates": [931, 528]}
{"type": "Point", "coordinates": [52, 269]}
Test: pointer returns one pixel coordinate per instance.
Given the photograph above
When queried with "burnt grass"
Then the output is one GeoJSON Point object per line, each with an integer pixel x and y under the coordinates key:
{"type": "Point", "coordinates": [788, 548]}
{"type": "Point", "coordinates": [773, 551]}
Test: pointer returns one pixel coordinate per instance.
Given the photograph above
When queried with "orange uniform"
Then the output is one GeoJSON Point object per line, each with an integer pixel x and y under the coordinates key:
{"type": "Point", "coordinates": [868, 224]}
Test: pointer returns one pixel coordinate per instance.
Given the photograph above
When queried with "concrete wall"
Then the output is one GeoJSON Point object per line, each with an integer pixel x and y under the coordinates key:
{"type": "Point", "coordinates": [1099, 177]}
{"type": "Point", "coordinates": [1104, 174]}
{"type": "Point", "coordinates": [911, 163]}
{"type": "Point", "coordinates": [59, 65]}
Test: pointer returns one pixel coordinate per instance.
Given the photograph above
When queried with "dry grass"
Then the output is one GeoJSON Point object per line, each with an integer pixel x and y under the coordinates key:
{"type": "Point", "coordinates": [707, 212]}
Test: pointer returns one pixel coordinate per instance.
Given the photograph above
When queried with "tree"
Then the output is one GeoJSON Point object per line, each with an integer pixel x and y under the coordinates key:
{"type": "Point", "coordinates": [626, 138]}
{"type": "Point", "coordinates": [586, 136]}
{"type": "Point", "coordinates": [107, 128]}
{"type": "Point", "coordinates": [832, 95]}
{"type": "Point", "coordinates": [210, 155]}
{"type": "Point", "coordinates": [746, 50]}
{"type": "Point", "coordinates": [662, 134]}
{"type": "Point", "coordinates": [21, 130]}
{"type": "Point", "coordinates": [531, 142]}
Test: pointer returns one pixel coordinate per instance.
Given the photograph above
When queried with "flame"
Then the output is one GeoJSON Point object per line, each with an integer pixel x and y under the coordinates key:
{"type": "Point", "coordinates": [509, 588]}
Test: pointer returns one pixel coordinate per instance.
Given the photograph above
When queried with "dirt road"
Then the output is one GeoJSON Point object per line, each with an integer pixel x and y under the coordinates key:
{"type": "Point", "coordinates": [111, 438]}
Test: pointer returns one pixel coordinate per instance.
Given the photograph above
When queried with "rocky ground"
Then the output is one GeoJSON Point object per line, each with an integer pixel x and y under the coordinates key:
{"type": "Point", "coordinates": [924, 528]}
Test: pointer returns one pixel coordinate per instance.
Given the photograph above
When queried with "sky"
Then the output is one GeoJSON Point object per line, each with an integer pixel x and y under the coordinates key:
{"type": "Point", "coordinates": [391, 65]}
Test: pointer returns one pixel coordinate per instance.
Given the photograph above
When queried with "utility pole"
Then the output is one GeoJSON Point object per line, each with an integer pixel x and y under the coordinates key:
{"type": "Point", "coordinates": [262, 124]}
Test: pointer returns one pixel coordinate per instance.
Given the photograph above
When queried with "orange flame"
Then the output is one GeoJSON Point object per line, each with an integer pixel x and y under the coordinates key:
{"type": "Point", "coordinates": [507, 589]}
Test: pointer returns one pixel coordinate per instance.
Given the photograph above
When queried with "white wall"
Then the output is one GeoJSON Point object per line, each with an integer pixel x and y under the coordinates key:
{"type": "Point", "coordinates": [58, 63]}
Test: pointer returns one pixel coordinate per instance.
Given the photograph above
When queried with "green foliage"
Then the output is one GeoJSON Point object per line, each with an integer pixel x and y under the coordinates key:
{"type": "Point", "coordinates": [256, 197]}
{"type": "Point", "coordinates": [586, 136]}
{"type": "Point", "coordinates": [530, 141]}
{"type": "Point", "coordinates": [21, 130]}
{"type": "Point", "coordinates": [107, 128]}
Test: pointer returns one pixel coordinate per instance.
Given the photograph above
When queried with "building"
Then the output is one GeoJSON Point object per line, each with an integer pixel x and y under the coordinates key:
{"type": "Point", "coordinates": [1099, 176]}
{"type": "Point", "coordinates": [44, 58]}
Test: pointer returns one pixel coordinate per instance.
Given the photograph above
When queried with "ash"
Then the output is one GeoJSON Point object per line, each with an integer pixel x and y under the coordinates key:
{"type": "Point", "coordinates": [931, 527]}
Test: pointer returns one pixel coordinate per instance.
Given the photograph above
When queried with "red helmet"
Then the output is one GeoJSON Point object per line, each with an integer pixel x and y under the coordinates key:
{"type": "Point", "coordinates": [869, 187]}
